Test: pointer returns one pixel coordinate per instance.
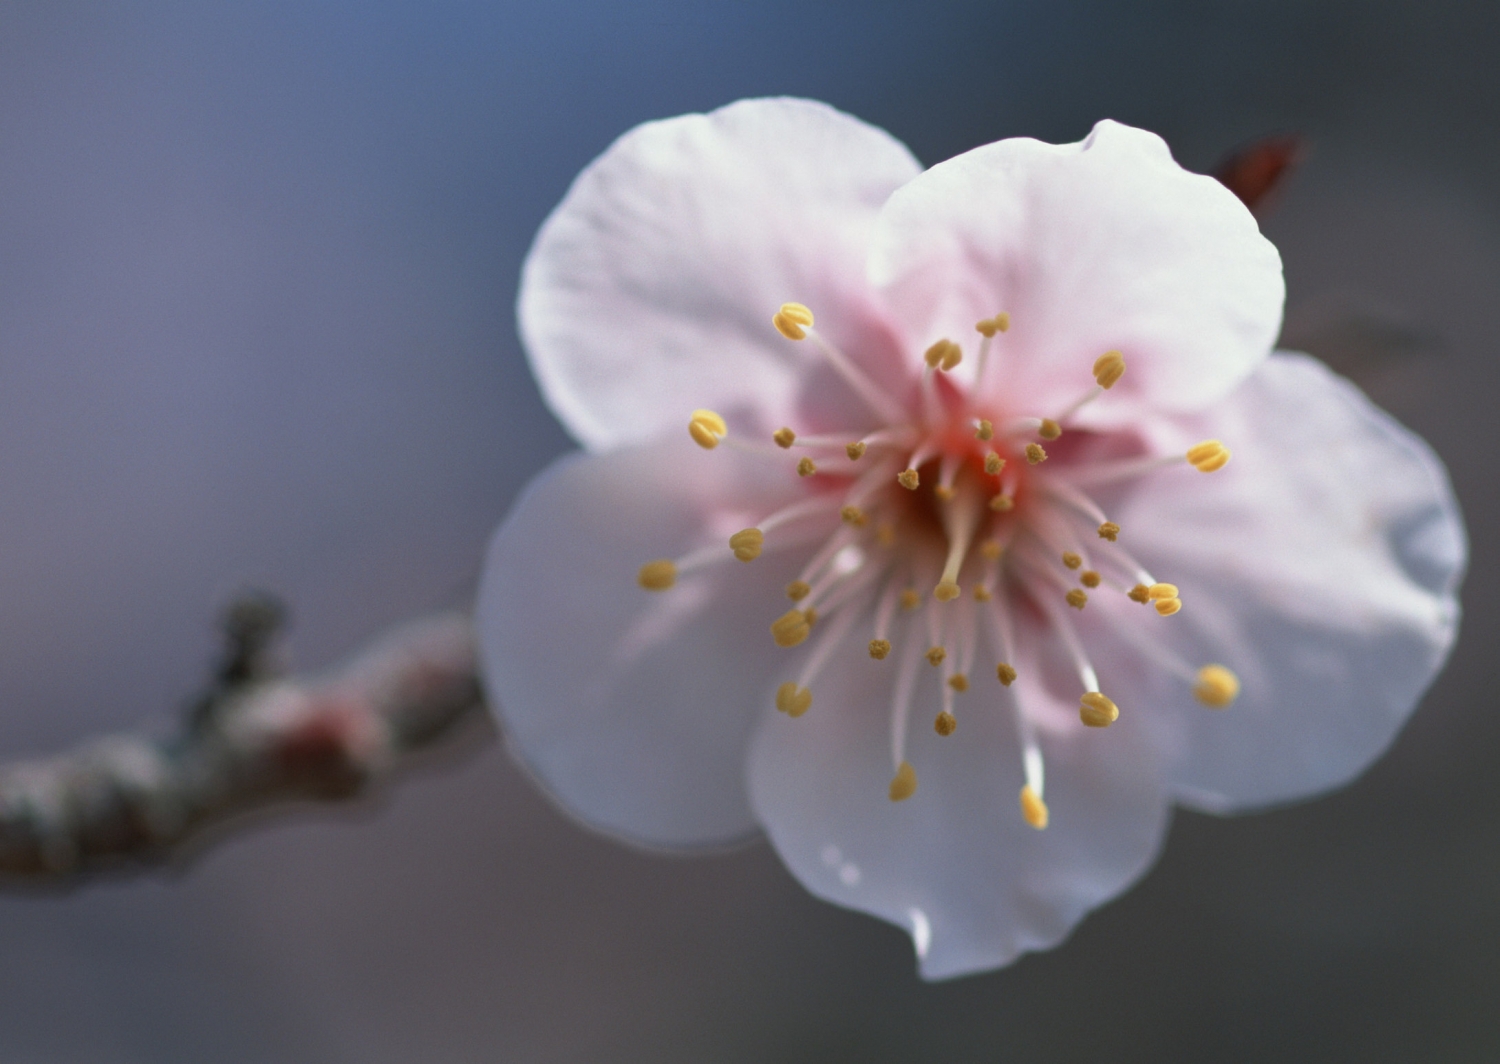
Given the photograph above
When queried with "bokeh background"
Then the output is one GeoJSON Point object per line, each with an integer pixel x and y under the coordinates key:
{"type": "Point", "coordinates": [257, 264]}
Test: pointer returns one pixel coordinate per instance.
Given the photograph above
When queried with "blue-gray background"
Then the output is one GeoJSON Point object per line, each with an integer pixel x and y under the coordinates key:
{"type": "Point", "coordinates": [257, 264]}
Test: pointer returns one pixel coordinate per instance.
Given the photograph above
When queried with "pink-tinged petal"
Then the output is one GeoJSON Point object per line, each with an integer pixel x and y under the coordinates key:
{"type": "Point", "coordinates": [633, 708]}
{"type": "Point", "coordinates": [1103, 245]}
{"type": "Point", "coordinates": [955, 864]}
{"type": "Point", "coordinates": [650, 289]}
{"type": "Point", "coordinates": [1321, 565]}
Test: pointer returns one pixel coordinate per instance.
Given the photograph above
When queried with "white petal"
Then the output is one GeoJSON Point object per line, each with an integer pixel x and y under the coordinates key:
{"type": "Point", "coordinates": [955, 864]}
{"type": "Point", "coordinates": [634, 708]}
{"type": "Point", "coordinates": [1321, 565]}
{"type": "Point", "coordinates": [1103, 245]}
{"type": "Point", "coordinates": [649, 291]}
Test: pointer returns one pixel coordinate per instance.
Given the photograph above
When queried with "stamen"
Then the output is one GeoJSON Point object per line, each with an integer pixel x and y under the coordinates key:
{"type": "Point", "coordinates": [1005, 673]}
{"type": "Point", "coordinates": [658, 575]}
{"type": "Point", "coordinates": [901, 692]}
{"type": "Point", "coordinates": [1002, 503]}
{"type": "Point", "coordinates": [791, 628]}
{"type": "Point", "coordinates": [960, 521]}
{"type": "Point", "coordinates": [944, 355]}
{"type": "Point", "coordinates": [1034, 454]}
{"type": "Point", "coordinates": [792, 321]}
{"type": "Point", "coordinates": [798, 590]}
{"type": "Point", "coordinates": [784, 437]}
{"type": "Point", "coordinates": [855, 450]}
{"type": "Point", "coordinates": [1140, 593]}
{"type": "Point", "coordinates": [806, 467]}
{"type": "Point", "coordinates": [1088, 578]}
{"type": "Point", "coordinates": [981, 593]}
{"type": "Point", "coordinates": [905, 783]}
{"type": "Point", "coordinates": [793, 700]}
{"type": "Point", "coordinates": [1208, 456]}
{"type": "Point", "coordinates": [1071, 559]}
{"type": "Point", "coordinates": [990, 550]}
{"type": "Point", "coordinates": [1033, 808]}
{"type": "Point", "coordinates": [1077, 598]}
{"type": "Point", "coordinates": [985, 430]}
{"type": "Point", "coordinates": [993, 463]}
{"type": "Point", "coordinates": [1108, 369]}
{"type": "Point", "coordinates": [879, 648]}
{"type": "Point", "coordinates": [1161, 591]}
{"type": "Point", "coordinates": [707, 429]}
{"type": "Point", "coordinates": [908, 479]}
{"type": "Point", "coordinates": [935, 656]}
{"type": "Point", "coordinates": [747, 544]}
{"type": "Point", "coordinates": [945, 724]}
{"type": "Point", "coordinates": [959, 682]}
{"type": "Point", "coordinates": [990, 326]}
{"type": "Point", "coordinates": [853, 515]}
{"type": "Point", "coordinates": [1096, 711]}
{"type": "Point", "coordinates": [1110, 531]}
{"type": "Point", "coordinates": [910, 600]}
{"type": "Point", "coordinates": [1217, 687]}
{"type": "Point", "coordinates": [885, 534]}
{"type": "Point", "coordinates": [1050, 430]}
{"type": "Point", "coordinates": [1168, 606]}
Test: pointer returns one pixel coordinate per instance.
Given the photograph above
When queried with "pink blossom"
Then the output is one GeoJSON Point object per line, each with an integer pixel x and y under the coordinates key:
{"type": "Point", "coordinates": [948, 526]}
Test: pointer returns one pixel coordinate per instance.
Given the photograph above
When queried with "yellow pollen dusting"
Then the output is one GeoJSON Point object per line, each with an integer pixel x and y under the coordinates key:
{"type": "Point", "coordinates": [707, 429]}
{"type": "Point", "coordinates": [945, 724]}
{"type": "Point", "coordinates": [658, 575]}
{"type": "Point", "coordinates": [885, 534]}
{"type": "Point", "coordinates": [855, 450]}
{"type": "Point", "coordinates": [1097, 711]}
{"type": "Point", "coordinates": [793, 700]}
{"type": "Point", "coordinates": [905, 783]}
{"type": "Point", "coordinates": [1006, 674]}
{"type": "Point", "coordinates": [798, 590]}
{"type": "Point", "coordinates": [784, 437]}
{"type": "Point", "coordinates": [1034, 454]}
{"type": "Point", "coordinates": [984, 431]}
{"type": "Point", "coordinates": [959, 682]}
{"type": "Point", "coordinates": [806, 467]}
{"type": "Point", "coordinates": [993, 463]}
{"type": "Point", "coordinates": [935, 656]}
{"type": "Point", "coordinates": [1071, 560]}
{"type": "Point", "coordinates": [1140, 593]}
{"type": "Point", "coordinates": [910, 600]}
{"type": "Point", "coordinates": [990, 549]}
{"type": "Point", "coordinates": [1050, 429]}
{"type": "Point", "coordinates": [1033, 808]}
{"type": "Point", "coordinates": [747, 543]}
{"type": "Point", "coordinates": [946, 591]}
{"type": "Point", "coordinates": [1208, 456]}
{"type": "Point", "coordinates": [943, 493]}
{"type": "Point", "coordinates": [1002, 504]}
{"type": "Point", "coordinates": [1109, 368]}
{"type": "Point", "coordinates": [1077, 598]}
{"type": "Point", "coordinates": [1217, 687]}
{"type": "Point", "coordinates": [879, 648]}
{"type": "Point", "coordinates": [1110, 531]}
{"type": "Point", "coordinates": [1168, 606]}
{"type": "Point", "coordinates": [981, 593]}
{"type": "Point", "coordinates": [1089, 578]}
{"type": "Point", "coordinates": [853, 515]}
{"type": "Point", "coordinates": [790, 628]}
{"type": "Point", "coordinates": [792, 321]}
{"type": "Point", "coordinates": [908, 479]}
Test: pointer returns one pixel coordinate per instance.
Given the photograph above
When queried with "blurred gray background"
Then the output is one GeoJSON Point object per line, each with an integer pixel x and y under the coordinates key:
{"type": "Point", "coordinates": [257, 264]}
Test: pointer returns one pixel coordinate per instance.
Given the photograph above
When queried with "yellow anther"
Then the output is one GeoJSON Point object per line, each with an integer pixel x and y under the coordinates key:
{"type": "Point", "coordinates": [658, 575]}
{"type": "Point", "coordinates": [1002, 504]}
{"type": "Point", "coordinates": [910, 600]}
{"type": "Point", "coordinates": [1077, 598]}
{"type": "Point", "coordinates": [993, 463]}
{"type": "Point", "coordinates": [946, 591]}
{"type": "Point", "coordinates": [1033, 808]}
{"type": "Point", "coordinates": [985, 430]}
{"type": "Point", "coordinates": [855, 450]}
{"type": "Point", "coordinates": [1097, 711]}
{"type": "Point", "coordinates": [793, 700]}
{"type": "Point", "coordinates": [853, 515]}
{"type": "Point", "coordinates": [934, 354]}
{"type": "Point", "coordinates": [959, 682]}
{"type": "Point", "coordinates": [885, 534]}
{"type": "Point", "coordinates": [1050, 429]}
{"type": "Point", "coordinates": [905, 783]}
{"type": "Point", "coordinates": [1034, 454]}
{"type": "Point", "coordinates": [944, 355]}
{"type": "Point", "coordinates": [1208, 456]}
{"type": "Point", "coordinates": [1006, 674]}
{"type": "Point", "coordinates": [1168, 606]}
{"type": "Point", "coordinates": [1140, 593]}
{"type": "Point", "coordinates": [879, 648]}
{"type": "Point", "coordinates": [810, 615]}
{"type": "Point", "coordinates": [908, 479]}
{"type": "Point", "coordinates": [953, 357]}
{"type": "Point", "coordinates": [707, 429]}
{"type": "Point", "coordinates": [990, 549]}
{"type": "Point", "coordinates": [1089, 578]}
{"type": "Point", "coordinates": [1161, 591]}
{"type": "Point", "coordinates": [1110, 531]}
{"type": "Point", "coordinates": [806, 467]}
{"type": "Point", "coordinates": [784, 437]}
{"type": "Point", "coordinates": [798, 590]}
{"type": "Point", "coordinates": [943, 493]}
{"type": "Point", "coordinates": [945, 724]}
{"type": "Point", "coordinates": [935, 656]}
{"type": "Point", "coordinates": [990, 326]}
{"type": "Point", "coordinates": [792, 321]}
{"type": "Point", "coordinates": [1216, 687]}
{"type": "Point", "coordinates": [746, 544]}
{"type": "Point", "coordinates": [1109, 368]}
{"type": "Point", "coordinates": [1071, 560]}
{"type": "Point", "coordinates": [790, 628]}
{"type": "Point", "coordinates": [981, 593]}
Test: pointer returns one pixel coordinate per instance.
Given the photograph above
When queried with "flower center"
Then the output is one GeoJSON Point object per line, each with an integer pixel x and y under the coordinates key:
{"type": "Point", "coordinates": [950, 523]}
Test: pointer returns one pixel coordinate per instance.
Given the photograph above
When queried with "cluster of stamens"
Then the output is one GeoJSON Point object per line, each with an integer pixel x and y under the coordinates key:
{"type": "Point", "coordinates": [946, 497]}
